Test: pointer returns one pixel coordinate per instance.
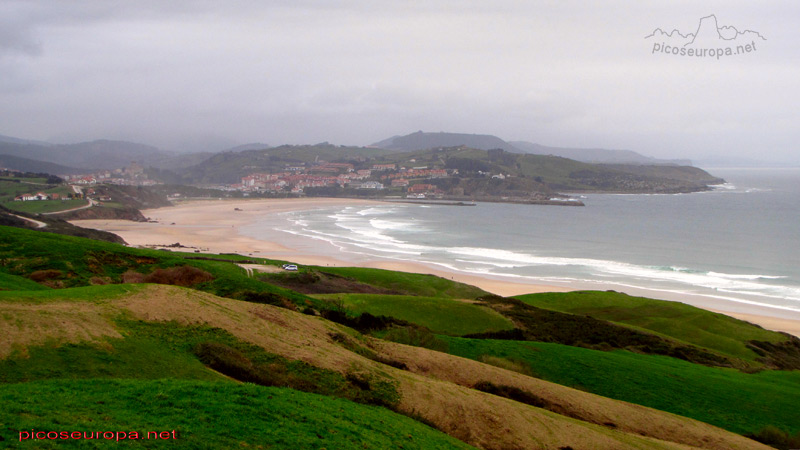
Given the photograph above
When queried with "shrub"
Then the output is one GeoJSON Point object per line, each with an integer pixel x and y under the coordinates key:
{"type": "Point", "coordinates": [364, 323]}
{"type": "Point", "coordinates": [775, 437]}
{"type": "Point", "coordinates": [267, 298]}
{"type": "Point", "coordinates": [513, 393]}
{"type": "Point", "coordinates": [132, 276]}
{"type": "Point", "coordinates": [45, 275]}
{"type": "Point", "coordinates": [228, 361]}
{"type": "Point", "coordinates": [358, 387]}
{"type": "Point", "coordinates": [98, 281]}
{"type": "Point", "coordinates": [178, 276]}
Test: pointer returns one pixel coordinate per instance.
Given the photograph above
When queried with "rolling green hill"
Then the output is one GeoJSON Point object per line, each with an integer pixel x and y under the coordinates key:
{"type": "Point", "coordinates": [118, 337]}
{"type": "Point", "coordinates": [712, 395]}
{"type": "Point", "coordinates": [559, 173]}
{"type": "Point", "coordinates": [530, 173]}
{"type": "Point", "coordinates": [717, 332]}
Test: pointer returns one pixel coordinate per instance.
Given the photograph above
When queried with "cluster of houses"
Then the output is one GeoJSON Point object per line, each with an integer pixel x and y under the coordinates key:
{"type": "Point", "coordinates": [133, 175]}
{"type": "Point", "coordinates": [39, 196]}
{"type": "Point", "coordinates": [295, 179]}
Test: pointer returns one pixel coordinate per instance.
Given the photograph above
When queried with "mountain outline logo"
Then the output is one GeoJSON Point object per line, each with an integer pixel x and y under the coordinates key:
{"type": "Point", "coordinates": [706, 28]}
{"type": "Point", "coordinates": [708, 40]}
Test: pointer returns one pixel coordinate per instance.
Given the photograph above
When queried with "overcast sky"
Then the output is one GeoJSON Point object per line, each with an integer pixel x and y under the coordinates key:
{"type": "Point", "coordinates": [199, 75]}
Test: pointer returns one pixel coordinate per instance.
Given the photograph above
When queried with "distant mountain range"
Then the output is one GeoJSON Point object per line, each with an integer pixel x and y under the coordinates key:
{"type": "Point", "coordinates": [423, 141]}
{"type": "Point", "coordinates": [94, 155]}
{"type": "Point", "coordinates": [22, 154]}
{"type": "Point", "coordinates": [13, 140]}
{"type": "Point", "coordinates": [89, 156]}
{"type": "Point", "coordinates": [35, 166]}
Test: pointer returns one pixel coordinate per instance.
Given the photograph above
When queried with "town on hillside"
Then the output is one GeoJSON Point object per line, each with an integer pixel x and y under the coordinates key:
{"type": "Point", "coordinates": [296, 178]}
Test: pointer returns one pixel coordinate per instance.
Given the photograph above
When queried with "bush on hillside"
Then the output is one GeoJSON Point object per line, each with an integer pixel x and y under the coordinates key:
{"type": "Point", "coordinates": [45, 275]}
{"type": "Point", "coordinates": [364, 323]}
{"type": "Point", "coordinates": [177, 276]}
{"type": "Point", "coordinates": [358, 387]}
{"type": "Point", "coordinates": [775, 437]}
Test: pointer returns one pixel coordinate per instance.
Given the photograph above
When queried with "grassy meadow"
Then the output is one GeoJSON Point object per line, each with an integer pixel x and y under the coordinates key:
{"type": "Point", "coordinates": [12, 187]}
{"type": "Point", "coordinates": [205, 415]}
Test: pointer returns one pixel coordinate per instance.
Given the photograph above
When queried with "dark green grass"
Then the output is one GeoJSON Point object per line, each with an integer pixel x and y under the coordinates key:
{"type": "Point", "coordinates": [730, 399]}
{"type": "Point", "coordinates": [440, 315]}
{"type": "Point", "coordinates": [407, 283]}
{"type": "Point", "coordinates": [686, 323]}
{"type": "Point", "coordinates": [205, 415]}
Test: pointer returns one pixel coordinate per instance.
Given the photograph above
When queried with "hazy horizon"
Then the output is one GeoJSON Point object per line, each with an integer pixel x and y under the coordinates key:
{"type": "Point", "coordinates": [199, 76]}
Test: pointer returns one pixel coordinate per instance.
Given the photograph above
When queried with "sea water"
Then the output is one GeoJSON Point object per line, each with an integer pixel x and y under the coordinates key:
{"type": "Point", "coordinates": [739, 242]}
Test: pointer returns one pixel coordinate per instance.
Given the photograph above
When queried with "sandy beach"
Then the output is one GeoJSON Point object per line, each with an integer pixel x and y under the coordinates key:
{"type": "Point", "coordinates": [214, 226]}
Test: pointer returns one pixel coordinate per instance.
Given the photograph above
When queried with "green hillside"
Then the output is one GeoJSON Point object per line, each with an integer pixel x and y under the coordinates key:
{"type": "Point", "coordinates": [276, 418]}
{"type": "Point", "coordinates": [121, 336]}
{"type": "Point", "coordinates": [679, 321]}
{"type": "Point", "coordinates": [712, 395]}
{"type": "Point", "coordinates": [529, 173]}
{"type": "Point", "coordinates": [557, 173]}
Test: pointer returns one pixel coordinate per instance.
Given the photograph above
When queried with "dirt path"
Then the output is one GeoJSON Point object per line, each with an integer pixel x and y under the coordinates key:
{"type": "Point", "coordinates": [36, 222]}
{"type": "Point", "coordinates": [250, 268]}
{"type": "Point", "coordinates": [91, 203]}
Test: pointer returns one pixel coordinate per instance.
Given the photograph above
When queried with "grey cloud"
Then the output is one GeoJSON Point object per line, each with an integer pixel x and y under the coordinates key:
{"type": "Point", "coordinates": [564, 73]}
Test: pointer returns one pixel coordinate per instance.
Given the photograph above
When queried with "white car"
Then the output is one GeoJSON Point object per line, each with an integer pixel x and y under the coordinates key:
{"type": "Point", "coordinates": [290, 267]}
